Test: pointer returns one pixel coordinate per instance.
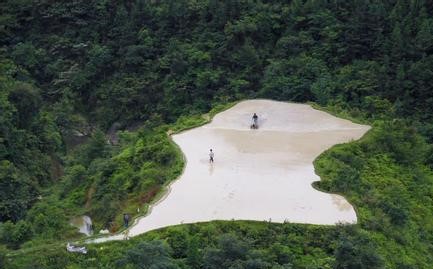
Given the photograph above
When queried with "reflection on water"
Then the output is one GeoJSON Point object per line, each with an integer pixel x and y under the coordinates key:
{"type": "Point", "coordinates": [211, 168]}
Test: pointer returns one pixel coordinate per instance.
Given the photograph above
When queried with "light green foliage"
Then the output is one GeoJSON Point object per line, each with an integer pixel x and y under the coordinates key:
{"type": "Point", "coordinates": [385, 177]}
{"type": "Point", "coordinates": [185, 122]}
{"type": "Point", "coordinates": [47, 220]}
{"type": "Point", "coordinates": [107, 181]}
{"type": "Point", "coordinates": [82, 67]}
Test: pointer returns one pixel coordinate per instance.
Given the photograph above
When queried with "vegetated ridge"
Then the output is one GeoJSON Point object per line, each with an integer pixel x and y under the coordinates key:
{"type": "Point", "coordinates": [72, 71]}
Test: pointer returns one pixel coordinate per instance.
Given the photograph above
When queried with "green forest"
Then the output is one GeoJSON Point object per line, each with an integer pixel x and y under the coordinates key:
{"type": "Point", "coordinates": [90, 89]}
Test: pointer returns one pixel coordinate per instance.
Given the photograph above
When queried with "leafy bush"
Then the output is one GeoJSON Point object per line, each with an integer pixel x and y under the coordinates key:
{"type": "Point", "coordinates": [13, 235]}
{"type": "Point", "coordinates": [147, 255]}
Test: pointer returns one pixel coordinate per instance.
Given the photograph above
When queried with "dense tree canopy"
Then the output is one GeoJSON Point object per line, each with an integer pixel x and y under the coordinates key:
{"type": "Point", "coordinates": [74, 73]}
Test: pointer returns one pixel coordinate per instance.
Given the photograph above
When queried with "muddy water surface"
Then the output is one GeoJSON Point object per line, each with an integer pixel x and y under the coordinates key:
{"type": "Point", "coordinates": [263, 174]}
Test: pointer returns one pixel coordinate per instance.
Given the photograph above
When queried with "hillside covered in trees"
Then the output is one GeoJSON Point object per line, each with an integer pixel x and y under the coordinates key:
{"type": "Point", "coordinates": [73, 73]}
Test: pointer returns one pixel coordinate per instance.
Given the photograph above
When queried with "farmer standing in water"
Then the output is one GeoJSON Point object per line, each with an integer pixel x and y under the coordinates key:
{"type": "Point", "coordinates": [255, 119]}
{"type": "Point", "coordinates": [211, 156]}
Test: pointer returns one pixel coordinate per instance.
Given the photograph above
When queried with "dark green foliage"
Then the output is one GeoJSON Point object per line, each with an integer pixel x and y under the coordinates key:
{"type": "Point", "coordinates": [354, 255]}
{"type": "Point", "coordinates": [71, 71]}
{"type": "Point", "coordinates": [95, 148]}
{"type": "Point", "coordinates": [292, 79]}
{"type": "Point", "coordinates": [3, 261]}
{"type": "Point", "coordinates": [13, 235]}
{"type": "Point", "coordinates": [165, 58]}
{"type": "Point", "coordinates": [193, 253]}
{"type": "Point", "coordinates": [147, 255]}
{"type": "Point", "coordinates": [27, 102]}
{"type": "Point", "coordinates": [17, 192]}
{"type": "Point", "coordinates": [230, 251]}
{"type": "Point", "coordinates": [178, 242]}
{"type": "Point", "coordinates": [209, 245]}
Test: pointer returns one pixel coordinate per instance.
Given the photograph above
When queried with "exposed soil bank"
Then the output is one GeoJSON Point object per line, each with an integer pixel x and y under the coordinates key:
{"type": "Point", "coordinates": [263, 174]}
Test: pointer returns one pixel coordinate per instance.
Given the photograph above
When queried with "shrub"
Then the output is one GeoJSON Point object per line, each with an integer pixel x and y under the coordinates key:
{"type": "Point", "coordinates": [13, 235]}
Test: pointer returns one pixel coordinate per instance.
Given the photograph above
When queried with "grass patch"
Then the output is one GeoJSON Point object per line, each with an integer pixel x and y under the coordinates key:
{"type": "Point", "coordinates": [385, 175]}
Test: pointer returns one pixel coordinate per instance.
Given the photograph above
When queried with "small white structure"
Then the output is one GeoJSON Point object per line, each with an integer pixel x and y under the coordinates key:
{"type": "Point", "coordinates": [72, 248]}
